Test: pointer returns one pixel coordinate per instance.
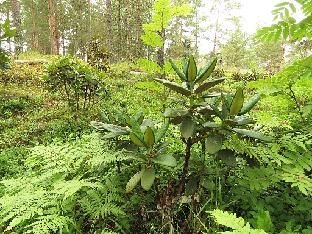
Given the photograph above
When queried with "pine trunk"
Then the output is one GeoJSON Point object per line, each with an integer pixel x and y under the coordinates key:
{"type": "Point", "coordinates": [53, 28]}
{"type": "Point", "coordinates": [17, 21]}
{"type": "Point", "coordinates": [34, 29]}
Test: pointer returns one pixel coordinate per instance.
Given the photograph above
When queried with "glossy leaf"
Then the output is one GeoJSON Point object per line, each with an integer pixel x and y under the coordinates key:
{"type": "Point", "coordinates": [177, 70]}
{"type": "Point", "coordinates": [109, 127]}
{"type": "Point", "coordinates": [166, 160]}
{"type": "Point", "coordinates": [174, 86]}
{"type": "Point", "coordinates": [212, 125]}
{"type": "Point", "coordinates": [187, 127]}
{"type": "Point", "coordinates": [136, 140]}
{"type": "Point", "coordinates": [250, 104]}
{"type": "Point", "coordinates": [253, 134]}
{"type": "Point", "coordinates": [172, 113]}
{"type": "Point", "coordinates": [147, 178]}
{"type": "Point", "coordinates": [207, 71]}
{"type": "Point", "coordinates": [208, 85]}
{"type": "Point", "coordinates": [213, 144]}
{"type": "Point", "coordinates": [237, 102]}
{"type": "Point", "coordinates": [135, 179]}
{"type": "Point", "coordinates": [192, 69]}
{"type": "Point", "coordinates": [149, 136]}
{"type": "Point", "coordinates": [185, 68]}
{"type": "Point", "coordinates": [242, 120]}
{"type": "Point", "coordinates": [205, 110]}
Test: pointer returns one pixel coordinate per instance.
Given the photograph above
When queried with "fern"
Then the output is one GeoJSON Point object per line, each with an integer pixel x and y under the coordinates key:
{"type": "Point", "coordinates": [59, 177]}
{"type": "Point", "coordinates": [231, 221]}
{"type": "Point", "coordinates": [258, 179]}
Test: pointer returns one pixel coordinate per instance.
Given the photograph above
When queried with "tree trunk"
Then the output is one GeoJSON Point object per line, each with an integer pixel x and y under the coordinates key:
{"type": "Point", "coordinates": [17, 21]}
{"type": "Point", "coordinates": [34, 29]}
{"type": "Point", "coordinates": [53, 27]}
{"type": "Point", "coordinates": [119, 44]}
{"type": "Point", "coordinates": [109, 23]}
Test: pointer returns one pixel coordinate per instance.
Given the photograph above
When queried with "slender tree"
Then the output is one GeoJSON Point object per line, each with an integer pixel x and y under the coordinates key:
{"type": "Point", "coordinates": [54, 35]}
{"type": "Point", "coordinates": [17, 21]}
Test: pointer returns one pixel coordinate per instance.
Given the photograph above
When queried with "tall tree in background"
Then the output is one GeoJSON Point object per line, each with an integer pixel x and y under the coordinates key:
{"type": "Point", "coordinates": [109, 24]}
{"type": "Point", "coordinates": [54, 35]}
{"type": "Point", "coordinates": [17, 23]}
{"type": "Point", "coordinates": [34, 29]}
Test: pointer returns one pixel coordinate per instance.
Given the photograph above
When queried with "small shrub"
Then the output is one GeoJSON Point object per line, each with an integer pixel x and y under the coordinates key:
{"type": "Point", "coordinates": [76, 81]}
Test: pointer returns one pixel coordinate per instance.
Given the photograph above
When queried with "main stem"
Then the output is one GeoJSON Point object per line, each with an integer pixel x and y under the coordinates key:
{"type": "Point", "coordinates": [293, 96]}
{"type": "Point", "coordinates": [181, 187]}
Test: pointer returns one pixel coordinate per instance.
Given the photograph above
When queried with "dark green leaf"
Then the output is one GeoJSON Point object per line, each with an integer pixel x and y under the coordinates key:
{"type": "Point", "coordinates": [177, 70]}
{"type": "Point", "coordinates": [172, 113]}
{"type": "Point", "coordinates": [185, 68]}
{"type": "Point", "coordinates": [192, 69]}
{"type": "Point", "coordinates": [109, 127]}
{"type": "Point", "coordinates": [136, 140]}
{"type": "Point", "coordinates": [212, 125]}
{"type": "Point", "coordinates": [149, 136]}
{"type": "Point", "coordinates": [250, 104]}
{"type": "Point", "coordinates": [237, 102]}
{"type": "Point", "coordinates": [174, 86]}
{"type": "Point", "coordinates": [147, 178]}
{"type": "Point", "coordinates": [241, 120]}
{"type": "Point", "coordinates": [205, 110]}
{"type": "Point", "coordinates": [207, 71]}
{"type": "Point", "coordinates": [253, 134]}
{"type": "Point", "coordinates": [208, 85]}
{"type": "Point", "coordinates": [213, 143]}
{"type": "Point", "coordinates": [187, 127]}
{"type": "Point", "coordinates": [166, 160]}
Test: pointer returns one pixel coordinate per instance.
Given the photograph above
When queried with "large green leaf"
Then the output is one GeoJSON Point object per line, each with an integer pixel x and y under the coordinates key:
{"type": "Point", "coordinates": [250, 104]}
{"type": "Point", "coordinates": [149, 136]}
{"type": "Point", "coordinates": [212, 125]}
{"type": "Point", "coordinates": [177, 70]}
{"type": "Point", "coordinates": [187, 127]}
{"type": "Point", "coordinates": [205, 110]}
{"type": "Point", "coordinates": [206, 72]}
{"type": "Point", "coordinates": [174, 86]}
{"type": "Point", "coordinates": [242, 120]}
{"type": "Point", "coordinates": [208, 85]}
{"type": "Point", "coordinates": [147, 178]}
{"type": "Point", "coordinates": [253, 134]}
{"type": "Point", "coordinates": [185, 68]}
{"type": "Point", "coordinates": [213, 143]}
{"type": "Point", "coordinates": [237, 102]}
{"type": "Point", "coordinates": [192, 69]}
{"type": "Point", "coordinates": [172, 113]}
{"type": "Point", "coordinates": [135, 179]}
{"type": "Point", "coordinates": [109, 127]}
{"type": "Point", "coordinates": [136, 140]}
{"type": "Point", "coordinates": [166, 160]}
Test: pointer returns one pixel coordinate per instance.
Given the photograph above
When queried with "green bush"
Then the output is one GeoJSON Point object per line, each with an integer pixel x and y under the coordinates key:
{"type": "Point", "coordinates": [77, 82]}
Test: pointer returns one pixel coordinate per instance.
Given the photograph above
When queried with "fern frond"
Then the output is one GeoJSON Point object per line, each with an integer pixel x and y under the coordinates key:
{"type": "Point", "coordinates": [236, 223]}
